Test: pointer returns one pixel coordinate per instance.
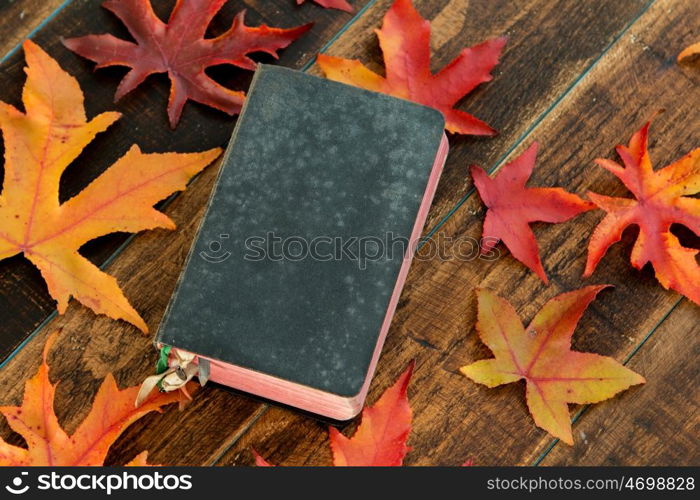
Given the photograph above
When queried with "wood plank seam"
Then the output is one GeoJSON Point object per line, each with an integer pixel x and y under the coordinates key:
{"type": "Point", "coordinates": [36, 29]}
{"type": "Point", "coordinates": [584, 409]}
{"type": "Point", "coordinates": [226, 445]}
{"type": "Point", "coordinates": [338, 34]}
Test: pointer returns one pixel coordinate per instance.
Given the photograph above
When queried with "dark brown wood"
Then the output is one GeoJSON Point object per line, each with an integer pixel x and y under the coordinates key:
{"type": "Point", "coordinates": [24, 300]}
{"type": "Point", "coordinates": [658, 425]}
{"type": "Point", "coordinates": [455, 419]}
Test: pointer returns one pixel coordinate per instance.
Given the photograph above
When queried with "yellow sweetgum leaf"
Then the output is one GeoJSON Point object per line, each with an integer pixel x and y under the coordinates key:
{"type": "Point", "coordinates": [541, 355]}
{"type": "Point", "coordinates": [40, 143]}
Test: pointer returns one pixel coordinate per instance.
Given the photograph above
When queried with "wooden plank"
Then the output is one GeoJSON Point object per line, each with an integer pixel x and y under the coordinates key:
{"type": "Point", "coordinates": [550, 43]}
{"type": "Point", "coordinates": [24, 300]}
{"type": "Point", "coordinates": [455, 418]}
{"type": "Point", "coordinates": [20, 17]}
{"type": "Point", "coordinates": [658, 425]}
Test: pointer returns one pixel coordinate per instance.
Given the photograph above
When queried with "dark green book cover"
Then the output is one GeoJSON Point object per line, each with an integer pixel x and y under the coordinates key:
{"type": "Point", "coordinates": [291, 283]}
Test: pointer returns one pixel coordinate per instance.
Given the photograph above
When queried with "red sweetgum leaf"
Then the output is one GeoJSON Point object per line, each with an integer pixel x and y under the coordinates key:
{"type": "Point", "coordinates": [512, 207]}
{"type": "Point", "coordinates": [405, 42]}
{"type": "Point", "coordinates": [380, 439]}
{"type": "Point", "coordinates": [662, 198]}
{"type": "Point", "coordinates": [260, 461]}
{"type": "Point", "coordinates": [179, 49]}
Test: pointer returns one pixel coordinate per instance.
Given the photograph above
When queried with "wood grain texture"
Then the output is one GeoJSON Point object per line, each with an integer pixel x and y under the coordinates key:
{"type": "Point", "coordinates": [19, 18]}
{"type": "Point", "coordinates": [24, 300]}
{"type": "Point", "coordinates": [455, 418]}
{"type": "Point", "coordinates": [660, 424]}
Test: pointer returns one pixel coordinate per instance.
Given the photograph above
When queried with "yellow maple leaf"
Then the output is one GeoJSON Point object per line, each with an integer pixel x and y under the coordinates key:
{"type": "Point", "coordinates": [542, 356]}
{"type": "Point", "coordinates": [40, 143]}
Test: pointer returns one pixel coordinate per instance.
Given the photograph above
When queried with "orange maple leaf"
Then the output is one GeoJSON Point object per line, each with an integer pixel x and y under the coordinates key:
{"type": "Point", "coordinates": [689, 52]}
{"type": "Point", "coordinates": [405, 42]}
{"type": "Point", "coordinates": [48, 444]}
{"type": "Point", "coordinates": [662, 199]}
{"type": "Point", "coordinates": [380, 439]}
{"type": "Point", "coordinates": [512, 206]}
{"type": "Point", "coordinates": [542, 356]}
{"type": "Point", "coordinates": [39, 145]}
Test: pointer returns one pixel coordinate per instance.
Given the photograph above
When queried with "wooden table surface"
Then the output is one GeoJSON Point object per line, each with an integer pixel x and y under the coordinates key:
{"type": "Point", "coordinates": [579, 77]}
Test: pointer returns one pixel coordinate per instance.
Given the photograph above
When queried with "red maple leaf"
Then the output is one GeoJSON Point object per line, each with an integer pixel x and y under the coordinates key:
{"type": "Point", "coordinates": [380, 439]}
{"type": "Point", "coordinates": [512, 206]}
{"type": "Point", "coordinates": [331, 4]}
{"type": "Point", "coordinates": [662, 199]}
{"type": "Point", "coordinates": [405, 43]}
{"type": "Point", "coordinates": [180, 49]}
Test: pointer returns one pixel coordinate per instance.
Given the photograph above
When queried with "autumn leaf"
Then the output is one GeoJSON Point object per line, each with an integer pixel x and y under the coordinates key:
{"type": "Point", "coordinates": [380, 439]}
{"type": "Point", "coordinates": [405, 42]}
{"type": "Point", "coordinates": [180, 49]}
{"type": "Point", "coordinates": [331, 4]}
{"type": "Point", "coordinates": [512, 206]}
{"type": "Point", "coordinates": [662, 199]}
{"type": "Point", "coordinates": [39, 144]}
{"type": "Point", "coordinates": [48, 444]}
{"type": "Point", "coordinates": [260, 461]}
{"type": "Point", "coordinates": [691, 52]}
{"type": "Point", "coordinates": [542, 356]}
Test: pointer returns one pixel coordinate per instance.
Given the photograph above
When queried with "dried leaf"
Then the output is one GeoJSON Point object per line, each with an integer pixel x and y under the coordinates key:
{"type": "Point", "coordinates": [542, 356]}
{"type": "Point", "coordinates": [512, 206]}
{"type": "Point", "coordinates": [692, 51]}
{"type": "Point", "coordinates": [39, 145]}
{"type": "Point", "coordinates": [331, 4]}
{"type": "Point", "coordinates": [380, 439]}
{"type": "Point", "coordinates": [662, 199]}
{"type": "Point", "coordinates": [180, 49]}
{"type": "Point", "coordinates": [405, 42]}
{"type": "Point", "coordinates": [48, 444]}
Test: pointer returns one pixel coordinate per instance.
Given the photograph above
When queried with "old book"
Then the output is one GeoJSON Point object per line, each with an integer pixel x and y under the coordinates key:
{"type": "Point", "coordinates": [291, 284]}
